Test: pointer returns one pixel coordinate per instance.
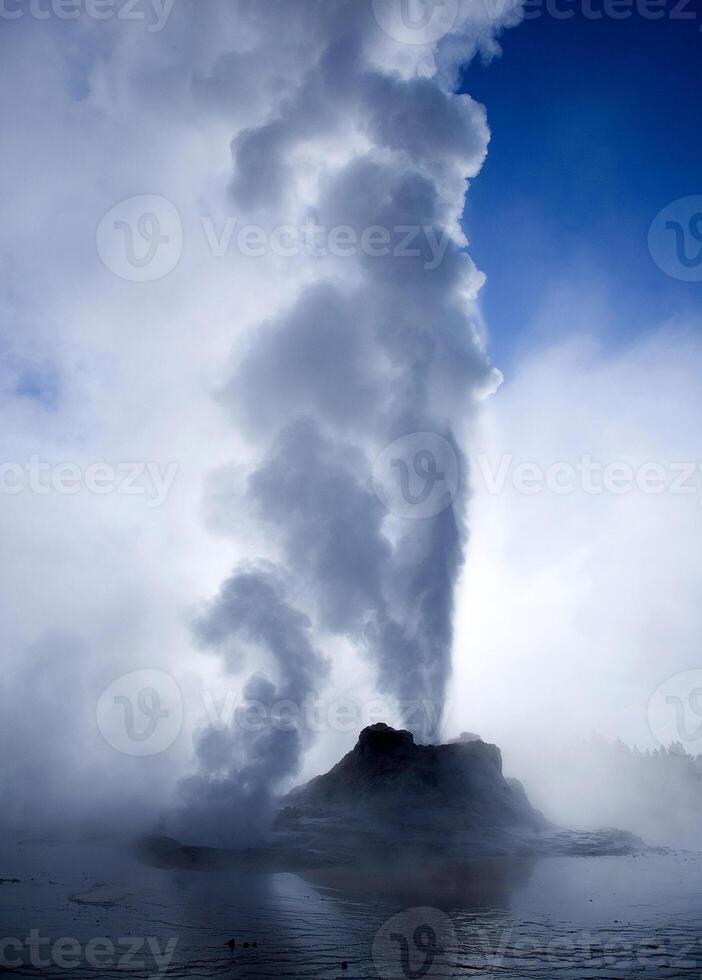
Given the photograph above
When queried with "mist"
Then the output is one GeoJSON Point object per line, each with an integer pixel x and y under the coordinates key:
{"type": "Point", "coordinates": [284, 390]}
{"type": "Point", "coordinates": [598, 578]}
{"type": "Point", "coordinates": [278, 392]}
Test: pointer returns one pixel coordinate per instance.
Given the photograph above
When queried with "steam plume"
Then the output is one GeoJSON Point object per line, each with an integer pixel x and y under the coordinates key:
{"type": "Point", "coordinates": [230, 796]}
{"type": "Point", "coordinates": [379, 344]}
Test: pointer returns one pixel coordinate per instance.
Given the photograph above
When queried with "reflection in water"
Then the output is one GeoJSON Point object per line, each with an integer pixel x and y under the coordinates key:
{"type": "Point", "coordinates": [566, 917]}
{"type": "Point", "coordinates": [482, 883]}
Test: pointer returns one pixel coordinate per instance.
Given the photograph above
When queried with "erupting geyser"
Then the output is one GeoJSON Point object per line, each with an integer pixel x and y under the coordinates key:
{"type": "Point", "coordinates": [380, 345]}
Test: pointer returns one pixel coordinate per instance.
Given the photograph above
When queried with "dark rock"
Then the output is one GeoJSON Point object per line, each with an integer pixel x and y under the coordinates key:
{"type": "Point", "coordinates": [391, 806]}
{"type": "Point", "coordinates": [391, 801]}
{"type": "Point", "coordinates": [388, 773]}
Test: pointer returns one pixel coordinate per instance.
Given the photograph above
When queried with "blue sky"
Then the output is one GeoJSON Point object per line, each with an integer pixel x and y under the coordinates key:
{"type": "Point", "coordinates": [595, 127]}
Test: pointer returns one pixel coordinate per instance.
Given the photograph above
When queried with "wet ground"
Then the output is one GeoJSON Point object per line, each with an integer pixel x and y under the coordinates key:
{"type": "Point", "coordinates": [94, 910]}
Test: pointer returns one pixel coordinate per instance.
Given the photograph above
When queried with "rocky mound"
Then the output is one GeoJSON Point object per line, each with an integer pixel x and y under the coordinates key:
{"type": "Point", "coordinates": [390, 795]}
{"type": "Point", "coordinates": [391, 806]}
{"type": "Point", "coordinates": [388, 775]}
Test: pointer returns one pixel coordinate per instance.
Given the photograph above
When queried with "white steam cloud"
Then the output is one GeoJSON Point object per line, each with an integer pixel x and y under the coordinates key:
{"type": "Point", "coordinates": [302, 365]}
{"type": "Point", "coordinates": [376, 346]}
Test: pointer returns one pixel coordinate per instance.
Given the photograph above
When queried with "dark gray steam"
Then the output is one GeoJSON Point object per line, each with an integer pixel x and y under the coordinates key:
{"type": "Point", "coordinates": [229, 799]}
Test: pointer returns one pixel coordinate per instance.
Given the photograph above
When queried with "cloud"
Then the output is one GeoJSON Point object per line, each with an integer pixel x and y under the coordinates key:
{"type": "Point", "coordinates": [276, 113]}
{"type": "Point", "coordinates": [380, 348]}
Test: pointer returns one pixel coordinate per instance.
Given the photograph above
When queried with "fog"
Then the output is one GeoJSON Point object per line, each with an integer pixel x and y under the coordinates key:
{"type": "Point", "coordinates": [578, 613]}
{"type": "Point", "coordinates": [245, 544]}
